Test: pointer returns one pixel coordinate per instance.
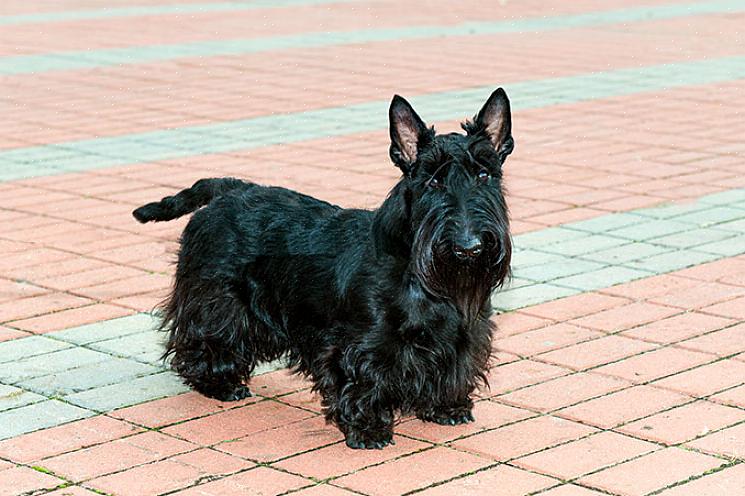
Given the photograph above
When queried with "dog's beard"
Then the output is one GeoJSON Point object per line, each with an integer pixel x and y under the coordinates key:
{"type": "Point", "coordinates": [467, 283]}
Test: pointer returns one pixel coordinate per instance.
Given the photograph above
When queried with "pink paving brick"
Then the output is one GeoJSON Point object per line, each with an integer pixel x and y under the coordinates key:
{"type": "Point", "coordinates": [729, 442]}
{"type": "Point", "coordinates": [652, 287]}
{"type": "Point", "coordinates": [523, 437]}
{"type": "Point", "coordinates": [517, 322]}
{"type": "Point", "coordinates": [278, 382]}
{"type": "Point", "coordinates": [706, 380]}
{"type": "Point", "coordinates": [733, 308]}
{"type": "Point", "coordinates": [678, 327]}
{"type": "Point", "coordinates": [571, 490]}
{"type": "Point", "coordinates": [722, 343]}
{"type": "Point", "coordinates": [168, 475]}
{"type": "Point", "coordinates": [72, 491]}
{"type": "Point", "coordinates": [592, 453]}
{"type": "Point", "coordinates": [75, 435]}
{"type": "Point", "coordinates": [337, 460]}
{"type": "Point", "coordinates": [422, 469]}
{"type": "Point", "coordinates": [38, 305]}
{"type": "Point", "coordinates": [655, 364]}
{"type": "Point", "coordinates": [240, 422]}
{"type": "Point", "coordinates": [71, 318]}
{"type": "Point", "coordinates": [563, 391]}
{"type": "Point", "coordinates": [699, 295]}
{"type": "Point", "coordinates": [271, 445]}
{"type": "Point", "coordinates": [595, 352]}
{"type": "Point", "coordinates": [166, 411]}
{"type": "Point", "coordinates": [116, 455]}
{"type": "Point", "coordinates": [651, 472]}
{"type": "Point", "coordinates": [575, 306]}
{"type": "Point", "coordinates": [22, 480]}
{"type": "Point", "coordinates": [623, 406]}
{"type": "Point", "coordinates": [6, 334]}
{"type": "Point", "coordinates": [625, 317]}
{"type": "Point", "coordinates": [731, 480]}
{"type": "Point", "coordinates": [545, 339]}
{"type": "Point", "coordinates": [732, 397]}
{"type": "Point", "coordinates": [519, 374]}
{"type": "Point", "coordinates": [259, 481]}
{"type": "Point", "coordinates": [488, 415]}
{"type": "Point", "coordinates": [684, 423]}
{"type": "Point", "coordinates": [508, 481]}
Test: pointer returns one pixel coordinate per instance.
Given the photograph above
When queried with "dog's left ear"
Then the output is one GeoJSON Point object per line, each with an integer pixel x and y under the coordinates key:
{"type": "Point", "coordinates": [495, 121]}
{"type": "Point", "coordinates": [408, 133]}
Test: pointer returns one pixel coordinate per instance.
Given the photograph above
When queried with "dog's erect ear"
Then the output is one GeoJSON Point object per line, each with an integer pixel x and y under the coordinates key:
{"type": "Point", "coordinates": [408, 133]}
{"type": "Point", "coordinates": [495, 121]}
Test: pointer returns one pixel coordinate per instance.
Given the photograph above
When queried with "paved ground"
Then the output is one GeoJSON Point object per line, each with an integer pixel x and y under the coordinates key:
{"type": "Point", "coordinates": [621, 341]}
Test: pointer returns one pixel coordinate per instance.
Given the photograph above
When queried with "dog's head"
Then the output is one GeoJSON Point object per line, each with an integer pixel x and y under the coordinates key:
{"type": "Point", "coordinates": [449, 209]}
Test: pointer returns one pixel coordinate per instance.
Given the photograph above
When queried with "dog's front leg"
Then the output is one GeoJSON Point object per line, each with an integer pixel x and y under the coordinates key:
{"type": "Point", "coordinates": [459, 412]}
{"type": "Point", "coordinates": [363, 418]}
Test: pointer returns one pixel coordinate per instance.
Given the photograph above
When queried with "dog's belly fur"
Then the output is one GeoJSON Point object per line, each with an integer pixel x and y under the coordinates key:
{"type": "Point", "coordinates": [309, 291]}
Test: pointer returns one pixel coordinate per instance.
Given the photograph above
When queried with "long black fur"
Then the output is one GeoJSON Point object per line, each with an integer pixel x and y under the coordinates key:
{"type": "Point", "coordinates": [386, 310]}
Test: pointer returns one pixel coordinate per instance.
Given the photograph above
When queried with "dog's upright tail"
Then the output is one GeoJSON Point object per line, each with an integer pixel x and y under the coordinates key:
{"type": "Point", "coordinates": [188, 200]}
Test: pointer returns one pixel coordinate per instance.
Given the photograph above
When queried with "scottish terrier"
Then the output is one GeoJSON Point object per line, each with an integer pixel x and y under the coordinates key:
{"type": "Point", "coordinates": [386, 311]}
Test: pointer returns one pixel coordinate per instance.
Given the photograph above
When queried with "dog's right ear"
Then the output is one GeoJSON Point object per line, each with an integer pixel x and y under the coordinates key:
{"type": "Point", "coordinates": [408, 133]}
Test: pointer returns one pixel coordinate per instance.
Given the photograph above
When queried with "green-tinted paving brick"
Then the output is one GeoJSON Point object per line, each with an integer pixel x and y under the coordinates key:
{"type": "Point", "coordinates": [738, 226]}
{"type": "Point", "coordinates": [689, 239]}
{"type": "Point", "coordinates": [87, 377]}
{"type": "Point", "coordinates": [130, 392]}
{"type": "Point", "coordinates": [57, 361]}
{"type": "Point", "coordinates": [711, 216]}
{"type": "Point", "coordinates": [626, 253]}
{"type": "Point", "coordinates": [670, 210]}
{"type": "Point", "coordinates": [728, 247]}
{"type": "Point", "coordinates": [554, 270]}
{"type": "Point", "coordinates": [676, 260]}
{"type": "Point", "coordinates": [18, 349]}
{"type": "Point", "coordinates": [589, 244]}
{"type": "Point", "coordinates": [38, 416]}
{"type": "Point", "coordinates": [529, 295]}
{"type": "Point", "coordinates": [724, 197]}
{"type": "Point", "coordinates": [545, 237]}
{"type": "Point", "coordinates": [601, 278]}
{"type": "Point", "coordinates": [648, 229]}
{"type": "Point", "coordinates": [144, 347]}
{"type": "Point", "coordinates": [528, 257]}
{"type": "Point", "coordinates": [13, 397]}
{"type": "Point", "coordinates": [107, 329]}
{"type": "Point", "coordinates": [605, 223]}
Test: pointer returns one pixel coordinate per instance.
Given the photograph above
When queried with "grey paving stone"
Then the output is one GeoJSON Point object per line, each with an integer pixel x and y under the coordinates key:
{"type": "Point", "coordinates": [13, 397]}
{"type": "Point", "coordinates": [145, 346]}
{"type": "Point", "coordinates": [49, 363]}
{"type": "Point", "coordinates": [517, 282]}
{"type": "Point", "coordinates": [601, 278]}
{"type": "Point", "coordinates": [625, 253]}
{"type": "Point", "coordinates": [128, 393]}
{"type": "Point", "coordinates": [737, 226]}
{"type": "Point", "coordinates": [545, 237]}
{"type": "Point", "coordinates": [17, 349]}
{"type": "Point", "coordinates": [87, 377]}
{"type": "Point", "coordinates": [670, 210]}
{"type": "Point", "coordinates": [38, 416]}
{"type": "Point", "coordinates": [676, 260]}
{"type": "Point", "coordinates": [689, 239]}
{"type": "Point", "coordinates": [555, 270]}
{"type": "Point", "coordinates": [107, 329]}
{"type": "Point", "coordinates": [649, 229]}
{"type": "Point", "coordinates": [529, 295]}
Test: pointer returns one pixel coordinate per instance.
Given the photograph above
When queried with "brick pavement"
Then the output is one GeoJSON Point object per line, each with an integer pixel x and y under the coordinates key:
{"type": "Point", "coordinates": [621, 363]}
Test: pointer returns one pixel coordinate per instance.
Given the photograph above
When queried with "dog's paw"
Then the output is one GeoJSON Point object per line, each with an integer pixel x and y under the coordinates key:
{"type": "Point", "coordinates": [236, 393]}
{"type": "Point", "coordinates": [367, 441]}
{"type": "Point", "coordinates": [448, 417]}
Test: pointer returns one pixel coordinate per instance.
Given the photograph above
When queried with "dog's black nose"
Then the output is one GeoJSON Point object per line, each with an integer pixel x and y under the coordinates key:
{"type": "Point", "coordinates": [470, 247]}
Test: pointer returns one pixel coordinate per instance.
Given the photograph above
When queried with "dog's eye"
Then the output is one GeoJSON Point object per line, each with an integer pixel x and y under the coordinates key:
{"type": "Point", "coordinates": [484, 176]}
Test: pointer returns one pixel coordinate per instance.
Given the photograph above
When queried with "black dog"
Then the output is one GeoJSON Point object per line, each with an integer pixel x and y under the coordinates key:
{"type": "Point", "coordinates": [385, 310]}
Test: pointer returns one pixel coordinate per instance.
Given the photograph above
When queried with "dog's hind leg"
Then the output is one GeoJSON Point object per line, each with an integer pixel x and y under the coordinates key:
{"type": "Point", "coordinates": [209, 340]}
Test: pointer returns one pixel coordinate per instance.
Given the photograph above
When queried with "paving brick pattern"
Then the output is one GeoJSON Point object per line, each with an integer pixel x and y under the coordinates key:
{"type": "Point", "coordinates": [620, 353]}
